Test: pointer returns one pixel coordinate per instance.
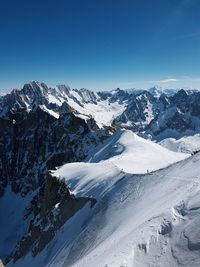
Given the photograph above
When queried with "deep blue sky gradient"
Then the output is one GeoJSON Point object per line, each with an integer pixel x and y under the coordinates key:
{"type": "Point", "coordinates": [100, 44]}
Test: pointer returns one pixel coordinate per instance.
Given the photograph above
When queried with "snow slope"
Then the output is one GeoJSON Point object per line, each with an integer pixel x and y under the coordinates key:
{"type": "Point", "coordinates": [105, 175]}
{"type": "Point", "coordinates": [122, 153]}
{"type": "Point", "coordinates": [186, 144]}
{"type": "Point", "coordinates": [143, 220]}
{"type": "Point", "coordinates": [104, 112]}
{"type": "Point", "coordinates": [151, 220]}
{"type": "Point", "coordinates": [122, 228]}
{"type": "Point", "coordinates": [134, 154]}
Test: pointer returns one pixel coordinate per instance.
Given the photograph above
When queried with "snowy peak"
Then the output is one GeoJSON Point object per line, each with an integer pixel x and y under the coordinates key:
{"type": "Point", "coordinates": [64, 89]}
{"type": "Point", "coordinates": [147, 111]}
{"type": "Point", "coordinates": [88, 96]}
{"type": "Point", "coordinates": [35, 87]}
{"type": "Point", "coordinates": [156, 91]}
{"type": "Point", "coordinates": [36, 94]}
{"type": "Point", "coordinates": [83, 103]}
{"type": "Point", "coordinates": [134, 154]}
{"type": "Point", "coordinates": [31, 93]}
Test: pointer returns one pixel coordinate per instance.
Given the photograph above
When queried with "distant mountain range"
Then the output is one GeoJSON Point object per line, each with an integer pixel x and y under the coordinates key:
{"type": "Point", "coordinates": [156, 113]}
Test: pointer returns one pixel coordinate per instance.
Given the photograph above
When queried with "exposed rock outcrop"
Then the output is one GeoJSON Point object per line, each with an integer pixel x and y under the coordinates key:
{"type": "Point", "coordinates": [49, 210]}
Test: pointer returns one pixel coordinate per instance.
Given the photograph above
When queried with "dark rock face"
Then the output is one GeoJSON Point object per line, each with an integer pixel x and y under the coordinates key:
{"type": "Point", "coordinates": [35, 94]}
{"type": "Point", "coordinates": [32, 143]}
{"type": "Point", "coordinates": [154, 116]}
{"type": "Point", "coordinates": [182, 115]}
{"type": "Point", "coordinates": [31, 95]}
{"type": "Point", "coordinates": [119, 96]}
{"type": "Point", "coordinates": [140, 111]}
{"type": "Point", "coordinates": [49, 210]}
{"type": "Point", "coordinates": [165, 228]}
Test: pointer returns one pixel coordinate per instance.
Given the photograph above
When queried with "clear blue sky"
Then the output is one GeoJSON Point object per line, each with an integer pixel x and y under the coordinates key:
{"type": "Point", "coordinates": [100, 44]}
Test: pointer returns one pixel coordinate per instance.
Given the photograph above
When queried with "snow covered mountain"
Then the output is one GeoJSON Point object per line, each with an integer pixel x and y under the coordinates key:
{"type": "Point", "coordinates": [162, 117]}
{"type": "Point", "coordinates": [141, 109]}
{"type": "Point", "coordinates": [157, 91]}
{"type": "Point", "coordinates": [84, 103]}
{"type": "Point", "coordinates": [180, 117]}
{"type": "Point", "coordinates": [144, 220]}
{"type": "Point", "coordinates": [156, 113]}
{"type": "Point", "coordinates": [139, 219]}
{"type": "Point", "coordinates": [81, 185]}
{"type": "Point", "coordinates": [97, 177]}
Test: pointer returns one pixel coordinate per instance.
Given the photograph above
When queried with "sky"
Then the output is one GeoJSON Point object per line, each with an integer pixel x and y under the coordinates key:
{"type": "Point", "coordinates": [100, 44]}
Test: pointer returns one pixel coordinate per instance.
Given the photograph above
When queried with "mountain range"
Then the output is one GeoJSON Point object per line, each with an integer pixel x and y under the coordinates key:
{"type": "Point", "coordinates": [155, 113]}
{"type": "Point", "coordinates": [107, 178]}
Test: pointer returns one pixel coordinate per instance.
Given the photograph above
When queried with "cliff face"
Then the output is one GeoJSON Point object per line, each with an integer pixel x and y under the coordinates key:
{"type": "Point", "coordinates": [31, 144]}
{"type": "Point", "coordinates": [48, 210]}
{"type": "Point", "coordinates": [163, 116]}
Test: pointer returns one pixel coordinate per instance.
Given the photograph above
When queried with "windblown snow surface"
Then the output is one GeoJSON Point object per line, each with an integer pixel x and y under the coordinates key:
{"type": "Point", "coordinates": [133, 154]}
{"type": "Point", "coordinates": [186, 144]}
{"type": "Point", "coordinates": [140, 219]}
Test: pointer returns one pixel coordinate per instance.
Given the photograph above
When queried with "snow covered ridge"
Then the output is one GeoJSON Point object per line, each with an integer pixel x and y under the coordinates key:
{"type": "Point", "coordinates": [122, 153]}
{"type": "Point", "coordinates": [147, 220]}
{"type": "Point", "coordinates": [140, 218]}
{"type": "Point", "coordinates": [133, 154]}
